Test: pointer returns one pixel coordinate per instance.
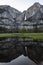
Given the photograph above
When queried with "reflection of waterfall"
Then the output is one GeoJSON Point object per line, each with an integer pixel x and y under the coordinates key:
{"type": "Point", "coordinates": [11, 48]}
{"type": "Point", "coordinates": [26, 50]}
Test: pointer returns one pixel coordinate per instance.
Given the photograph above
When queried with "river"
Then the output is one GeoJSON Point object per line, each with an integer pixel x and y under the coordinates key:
{"type": "Point", "coordinates": [22, 60]}
{"type": "Point", "coordinates": [21, 51]}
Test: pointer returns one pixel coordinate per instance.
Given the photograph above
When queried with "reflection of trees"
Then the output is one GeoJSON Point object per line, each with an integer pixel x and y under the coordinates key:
{"type": "Point", "coordinates": [16, 47]}
{"type": "Point", "coordinates": [11, 52]}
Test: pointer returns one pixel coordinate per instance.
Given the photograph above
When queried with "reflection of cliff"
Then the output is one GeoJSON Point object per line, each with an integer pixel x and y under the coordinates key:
{"type": "Point", "coordinates": [35, 53]}
{"type": "Point", "coordinates": [11, 48]}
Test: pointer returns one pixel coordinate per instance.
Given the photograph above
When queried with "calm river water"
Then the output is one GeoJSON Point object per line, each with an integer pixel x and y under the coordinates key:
{"type": "Point", "coordinates": [22, 60]}
{"type": "Point", "coordinates": [15, 51]}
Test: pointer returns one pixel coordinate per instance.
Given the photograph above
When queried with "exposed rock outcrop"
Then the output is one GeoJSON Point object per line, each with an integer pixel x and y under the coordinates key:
{"type": "Point", "coordinates": [8, 16]}
{"type": "Point", "coordinates": [12, 19]}
{"type": "Point", "coordinates": [32, 17]}
{"type": "Point", "coordinates": [35, 10]}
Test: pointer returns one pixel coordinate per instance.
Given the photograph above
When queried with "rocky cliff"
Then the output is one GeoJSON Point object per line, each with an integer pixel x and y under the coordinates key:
{"type": "Point", "coordinates": [34, 12]}
{"type": "Point", "coordinates": [32, 18]}
{"type": "Point", "coordinates": [12, 19]}
{"type": "Point", "coordinates": [8, 16]}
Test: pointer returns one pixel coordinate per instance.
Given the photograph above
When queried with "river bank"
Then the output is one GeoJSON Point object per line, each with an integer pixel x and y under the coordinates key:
{"type": "Point", "coordinates": [38, 36]}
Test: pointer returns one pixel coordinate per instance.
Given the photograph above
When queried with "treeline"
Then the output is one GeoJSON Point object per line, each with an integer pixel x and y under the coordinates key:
{"type": "Point", "coordinates": [6, 30]}
{"type": "Point", "coordinates": [23, 30]}
{"type": "Point", "coordinates": [34, 30]}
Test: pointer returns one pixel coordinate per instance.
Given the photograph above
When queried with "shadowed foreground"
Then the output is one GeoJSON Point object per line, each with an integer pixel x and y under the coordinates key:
{"type": "Point", "coordinates": [11, 48]}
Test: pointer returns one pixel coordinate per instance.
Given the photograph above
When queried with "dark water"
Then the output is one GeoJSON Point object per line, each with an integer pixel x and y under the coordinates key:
{"type": "Point", "coordinates": [22, 60]}
{"type": "Point", "coordinates": [21, 51]}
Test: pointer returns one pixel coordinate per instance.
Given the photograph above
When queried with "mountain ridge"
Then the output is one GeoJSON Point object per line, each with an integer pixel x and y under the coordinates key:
{"type": "Point", "coordinates": [31, 11]}
{"type": "Point", "coordinates": [11, 18]}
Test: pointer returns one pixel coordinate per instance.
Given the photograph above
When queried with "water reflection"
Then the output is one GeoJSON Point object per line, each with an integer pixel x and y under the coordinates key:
{"type": "Point", "coordinates": [15, 48]}
{"type": "Point", "coordinates": [21, 60]}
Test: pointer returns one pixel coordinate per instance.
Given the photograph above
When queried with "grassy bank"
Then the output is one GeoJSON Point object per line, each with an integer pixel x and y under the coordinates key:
{"type": "Point", "coordinates": [32, 35]}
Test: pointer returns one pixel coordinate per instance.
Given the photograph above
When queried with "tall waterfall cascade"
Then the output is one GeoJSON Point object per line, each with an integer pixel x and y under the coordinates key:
{"type": "Point", "coordinates": [25, 17]}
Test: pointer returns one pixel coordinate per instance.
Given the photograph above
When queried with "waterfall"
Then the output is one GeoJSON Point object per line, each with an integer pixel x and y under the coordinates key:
{"type": "Point", "coordinates": [25, 17]}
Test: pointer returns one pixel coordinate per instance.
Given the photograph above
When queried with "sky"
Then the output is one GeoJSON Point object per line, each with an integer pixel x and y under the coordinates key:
{"type": "Point", "coordinates": [20, 5]}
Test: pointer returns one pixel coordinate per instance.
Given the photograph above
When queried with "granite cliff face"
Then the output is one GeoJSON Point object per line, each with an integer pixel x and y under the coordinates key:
{"type": "Point", "coordinates": [32, 17]}
{"type": "Point", "coordinates": [8, 16]}
{"type": "Point", "coordinates": [11, 18]}
{"type": "Point", "coordinates": [34, 12]}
